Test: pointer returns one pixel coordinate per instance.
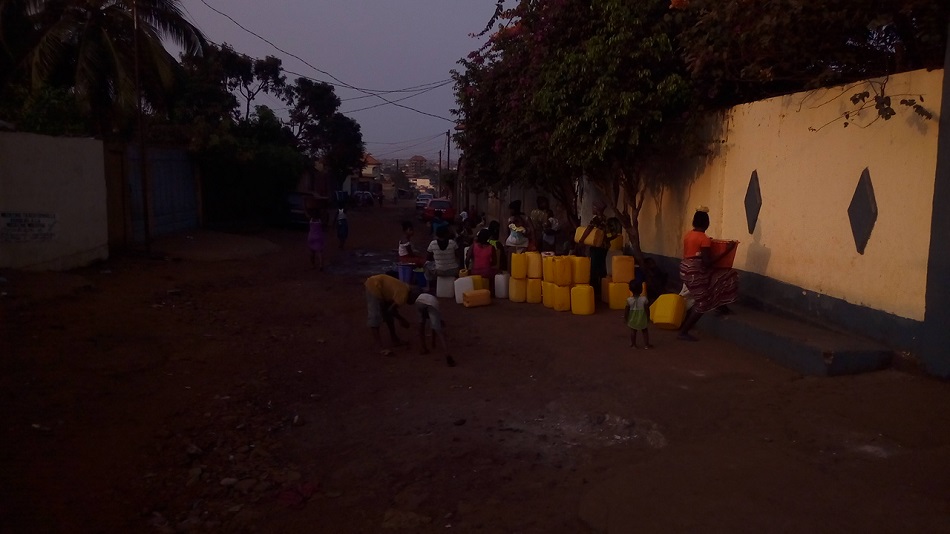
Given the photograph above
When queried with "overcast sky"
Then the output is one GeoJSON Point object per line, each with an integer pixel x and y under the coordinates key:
{"type": "Point", "coordinates": [372, 44]}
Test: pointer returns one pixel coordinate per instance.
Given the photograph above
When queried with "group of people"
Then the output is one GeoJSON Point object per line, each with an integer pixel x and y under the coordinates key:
{"type": "Point", "coordinates": [710, 288]}
{"type": "Point", "coordinates": [454, 247]}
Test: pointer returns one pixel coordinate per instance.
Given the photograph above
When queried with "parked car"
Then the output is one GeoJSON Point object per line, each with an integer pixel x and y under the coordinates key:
{"type": "Point", "coordinates": [422, 200]}
{"type": "Point", "coordinates": [439, 205]}
{"type": "Point", "coordinates": [364, 198]}
{"type": "Point", "coordinates": [341, 198]}
{"type": "Point", "coordinates": [299, 203]}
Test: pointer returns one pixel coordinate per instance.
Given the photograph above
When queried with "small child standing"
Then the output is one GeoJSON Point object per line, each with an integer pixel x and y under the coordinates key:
{"type": "Point", "coordinates": [342, 225]}
{"type": "Point", "coordinates": [407, 253]}
{"type": "Point", "coordinates": [428, 307]}
{"type": "Point", "coordinates": [315, 240]}
{"type": "Point", "coordinates": [637, 315]}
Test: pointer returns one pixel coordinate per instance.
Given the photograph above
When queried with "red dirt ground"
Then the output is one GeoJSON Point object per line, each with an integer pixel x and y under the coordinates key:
{"type": "Point", "coordinates": [200, 394]}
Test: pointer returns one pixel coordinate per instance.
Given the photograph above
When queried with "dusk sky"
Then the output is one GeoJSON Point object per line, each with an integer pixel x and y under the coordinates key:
{"type": "Point", "coordinates": [370, 44]}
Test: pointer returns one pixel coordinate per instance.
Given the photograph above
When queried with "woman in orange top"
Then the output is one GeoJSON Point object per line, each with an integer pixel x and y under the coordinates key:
{"type": "Point", "coordinates": [709, 286]}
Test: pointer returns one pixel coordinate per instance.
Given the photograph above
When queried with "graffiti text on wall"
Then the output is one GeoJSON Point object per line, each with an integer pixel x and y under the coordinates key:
{"type": "Point", "coordinates": [26, 227]}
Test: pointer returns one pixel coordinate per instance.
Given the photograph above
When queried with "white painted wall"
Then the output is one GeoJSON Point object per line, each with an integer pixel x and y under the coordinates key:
{"type": "Point", "coordinates": [808, 178]}
{"type": "Point", "coordinates": [52, 202]}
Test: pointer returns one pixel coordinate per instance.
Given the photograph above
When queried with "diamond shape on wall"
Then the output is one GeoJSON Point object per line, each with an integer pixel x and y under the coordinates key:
{"type": "Point", "coordinates": [753, 201]}
{"type": "Point", "coordinates": [863, 211]}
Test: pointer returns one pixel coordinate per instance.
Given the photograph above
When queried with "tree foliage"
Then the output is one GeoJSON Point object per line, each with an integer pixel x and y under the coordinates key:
{"type": "Point", "coordinates": [608, 89]}
{"type": "Point", "coordinates": [88, 48]}
{"type": "Point", "coordinates": [251, 76]}
{"type": "Point", "coordinates": [247, 171]}
{"type": "Point", "coordinates": [740, 52]}
{"type": "Point", "coordinates": [254, 159]}
{"type": "Point", "coordinates": [344, 147]}
{"type": "Point", "coordinates": [574, 87]}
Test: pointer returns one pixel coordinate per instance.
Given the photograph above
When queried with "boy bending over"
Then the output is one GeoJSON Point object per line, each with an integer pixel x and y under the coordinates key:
{"type": "Point", "coordinates": [384, 295]}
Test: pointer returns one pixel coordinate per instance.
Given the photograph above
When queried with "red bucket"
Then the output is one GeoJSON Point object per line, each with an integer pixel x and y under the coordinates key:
{"type": "Point", "coordinates": [718, 247]}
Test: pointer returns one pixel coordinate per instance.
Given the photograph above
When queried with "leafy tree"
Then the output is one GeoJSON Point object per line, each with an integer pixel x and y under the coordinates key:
{"type": "Point", "coordinates": [313, 105]}
{"type": "Point", "coordinates": [252, 76]}
{"type": "Point", "coordinates": [505, 141]}
{"type": "Point", "coordinates": [49, 111]}
{"type": "Point", "coordinates": [574, 86]}
{"type": "Point", "coordinates": [248, 171]}
{"type": "Point", "coordinates": [616, 90]}
{"type": "Point", "coordinates": [399, 178]}
{"type": "Point", "coordinates": [740, 53]}
{"type": "Point", "coordinates": [87, 47]}
{"type": "Point", "coordinates": [202, 108]}
{"type": "Point", "coordinates": [344, 153]}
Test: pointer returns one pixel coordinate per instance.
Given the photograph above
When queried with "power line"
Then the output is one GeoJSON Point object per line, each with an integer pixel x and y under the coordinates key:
{"type": "Point", "coordinates": [398, 99]}
{"type": "Point", "coordinates": [440, 134]}
{"type": "Point", "coordinates": [305, 62]}
{"type": "Point", "coordinates": [424, 137]}
{"type": "Point", "coordinates": [404, 90]}
{"type": "Point", "coordinates": [413, 89]}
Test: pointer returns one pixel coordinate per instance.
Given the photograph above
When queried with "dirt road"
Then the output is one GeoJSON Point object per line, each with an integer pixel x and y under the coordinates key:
{"type": "Point", "coordinates": [232, 388]}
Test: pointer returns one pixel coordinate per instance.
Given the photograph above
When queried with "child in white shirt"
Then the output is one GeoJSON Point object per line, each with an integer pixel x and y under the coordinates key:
{"type": "Point", "coordinates": [428, 307]}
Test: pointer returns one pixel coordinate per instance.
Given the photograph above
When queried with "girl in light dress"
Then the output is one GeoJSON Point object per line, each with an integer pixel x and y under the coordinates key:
{"type": "Point", "coordinates": [637, 315]}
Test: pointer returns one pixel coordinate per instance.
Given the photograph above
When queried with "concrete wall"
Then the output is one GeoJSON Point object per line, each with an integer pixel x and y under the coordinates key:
{"type": "Point", "coordinates": [52, 202]}
{"type": "Point", "coordinates": [803, 235]}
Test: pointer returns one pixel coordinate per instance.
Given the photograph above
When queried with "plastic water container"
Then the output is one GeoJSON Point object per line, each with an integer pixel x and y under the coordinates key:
{"type": "Point", "coordinates": [534, 291]}
{"type": "Point", "coordinates": [518, 289]}
{"type": "Point", "coordinates": [623, 269]}
{"type": "Point", "coordinates": [582, 300]}
{"type": "Point", "coordinates": [547, 266]}
{"type": "Point", "coordinates": [445, 287]}
{"type": "Point", "coordinates": [617, 243]}
{"type": "Point", "coordinates": [668, 311]}
{"type": "Point", "coordinates": [547, 294]}
{"type": "Point", "coordinates": [563, 271]}
{"type": "Point", "coordinates": [562, 298]}
{"type": "Point", "coordinates": [617, 295]}
{"type": "Point", "coordinates": [717, 248]}
{"type": "Point", "coordinates": [479, 297]}
{"type": "Point", "coordinates": [501, 285]}
{"type": "Point", "coordinates": [610, 260]}
{"type": "Point", "coordinates": [535, 269]}
{"type": "Point", "coordinates": [405, 272]}
{"type": "Point", "coordinates": [519, 266]}
{"type": "Point", "coordinates": [605, 289]}
{"type": "Point", "coordinates": [480, 282]}
{"type": "Point", "coordinates": [420, 278]}
{"type": "Point", "coordinates": [580, 269]}
{"type": "Point", "coordinates": [461, 286]}
{"type": "Point", "coordinates": [595, 238]}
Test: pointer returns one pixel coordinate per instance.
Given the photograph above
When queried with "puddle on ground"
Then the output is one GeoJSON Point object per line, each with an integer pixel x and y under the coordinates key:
{"type": "Point", "coordinates": [361, 262]}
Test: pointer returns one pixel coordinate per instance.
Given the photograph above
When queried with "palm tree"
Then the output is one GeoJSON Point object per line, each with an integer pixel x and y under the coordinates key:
{"type": "Point", "coordinates": [89, 46]}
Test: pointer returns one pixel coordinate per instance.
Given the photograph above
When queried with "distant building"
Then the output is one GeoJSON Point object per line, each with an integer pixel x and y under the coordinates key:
{"type": "Point", "coordinates": [417, 164]}
{"type": "Point", "coordinates": [422, 183]}
{"type": "Point", "coordinates": [371, 166]}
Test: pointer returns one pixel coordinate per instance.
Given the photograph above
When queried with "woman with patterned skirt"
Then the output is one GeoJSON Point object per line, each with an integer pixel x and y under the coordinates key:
{"type": "Point", "coordinates": [711, 288]}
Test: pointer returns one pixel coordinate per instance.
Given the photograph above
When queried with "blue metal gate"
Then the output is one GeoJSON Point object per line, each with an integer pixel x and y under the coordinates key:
{"type": "Point", "coordinates": [174, 191]}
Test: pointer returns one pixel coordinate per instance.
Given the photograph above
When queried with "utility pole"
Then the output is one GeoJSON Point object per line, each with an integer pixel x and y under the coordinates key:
{"type": "Point", "coordinates": [448, 161]}
{"type": "Point", "coordinates": [438, 190]}
{"type": "Point", "coordinates": [143, 164]}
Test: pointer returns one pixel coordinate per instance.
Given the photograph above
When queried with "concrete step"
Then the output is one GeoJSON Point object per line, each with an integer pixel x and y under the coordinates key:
{"type": "Point", "coordinates": [802, 347]}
